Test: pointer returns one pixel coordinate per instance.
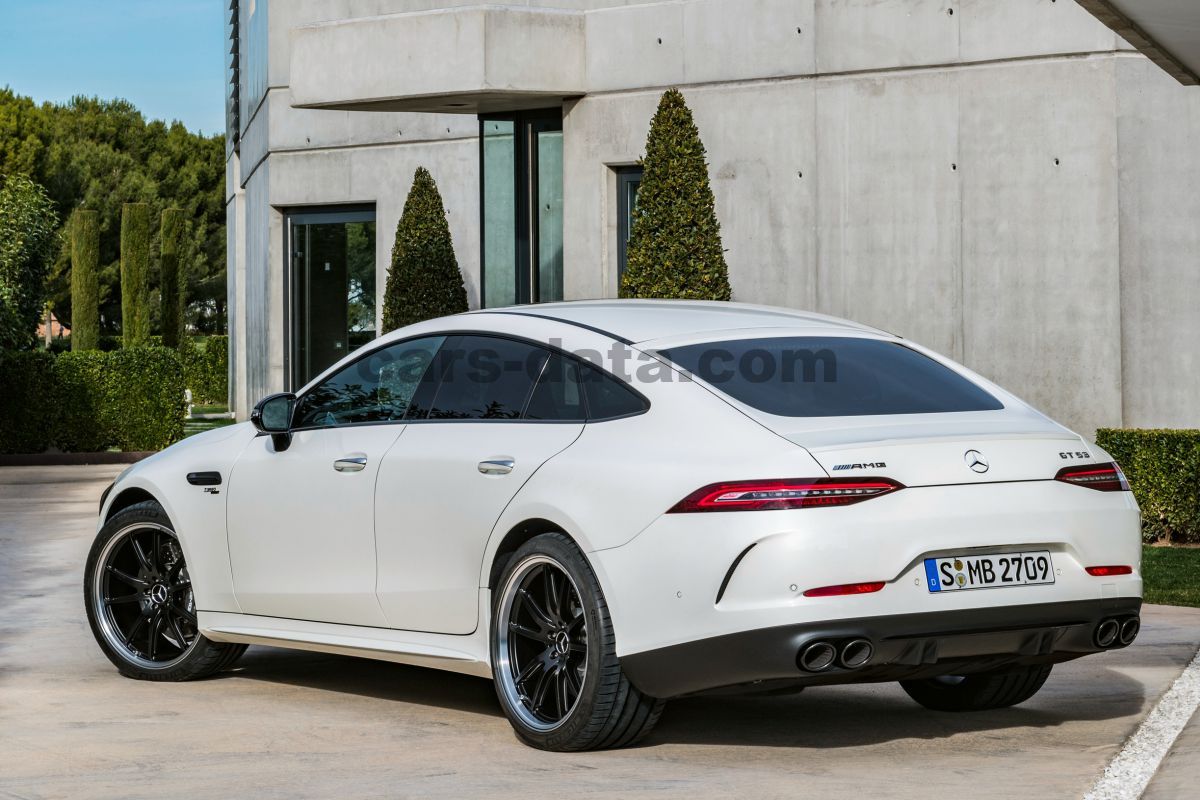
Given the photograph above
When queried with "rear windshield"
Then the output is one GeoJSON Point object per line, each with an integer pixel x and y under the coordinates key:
{"type": "Point", "coordinates": [830, 377]}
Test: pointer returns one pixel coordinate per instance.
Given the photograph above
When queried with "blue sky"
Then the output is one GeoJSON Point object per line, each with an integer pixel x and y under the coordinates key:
{"type": "Point", "coordinates": [164, 56]}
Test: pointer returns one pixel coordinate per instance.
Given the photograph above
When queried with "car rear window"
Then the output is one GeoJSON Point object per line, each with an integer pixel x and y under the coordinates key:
{"type": "Point", "coordinates": [831, 377]}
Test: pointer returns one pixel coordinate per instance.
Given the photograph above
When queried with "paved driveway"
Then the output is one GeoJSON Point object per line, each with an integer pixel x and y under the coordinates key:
{"type": "Point", "coordinates": [293, 724]}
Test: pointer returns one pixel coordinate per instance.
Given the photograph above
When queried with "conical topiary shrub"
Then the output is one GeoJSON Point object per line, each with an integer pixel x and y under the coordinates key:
{"type": "Point", "coordinates": [85, 280]}
{"type": "Point", "coordinates": [135, 274]}
{"type": "Point", "coordinates": [675, 244]}
{"type": "Point", "coordinates": [423, 280]}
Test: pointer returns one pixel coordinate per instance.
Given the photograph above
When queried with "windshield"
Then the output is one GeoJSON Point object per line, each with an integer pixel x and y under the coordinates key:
{"type": "Point", "coordinates": [831, 377]}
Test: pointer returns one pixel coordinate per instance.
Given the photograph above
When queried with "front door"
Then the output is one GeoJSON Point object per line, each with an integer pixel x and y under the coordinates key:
{"type": "Point", "coordinates": [302, 520]}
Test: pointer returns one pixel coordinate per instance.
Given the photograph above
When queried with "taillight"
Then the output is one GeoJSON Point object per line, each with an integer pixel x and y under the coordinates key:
{"type": "Point", "coordinates": [844, 589]}
{"type": "Point", "coordinates": [1105, 572]}
{"type": "Point", "coordinates": [1101, 477]}
{"type": "Point", "coordinates": [781, 493]}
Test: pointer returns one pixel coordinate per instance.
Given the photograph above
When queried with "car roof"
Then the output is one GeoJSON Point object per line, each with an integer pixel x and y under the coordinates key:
{"type": "Point", "coordinates": [635, 321]}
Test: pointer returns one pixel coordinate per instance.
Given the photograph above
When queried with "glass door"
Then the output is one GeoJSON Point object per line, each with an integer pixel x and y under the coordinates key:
{"type": "Point", "coordinates": [332, 288]}
{"type": "Point", "coordinates": [521, 207]}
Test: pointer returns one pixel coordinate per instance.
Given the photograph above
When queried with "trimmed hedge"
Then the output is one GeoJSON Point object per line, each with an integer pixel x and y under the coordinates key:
{"type": "Point", "coordinates": [91, 400]}
{"type": "Point", "coordinates": [85, 280]}
{"type": "Point", "coordinates": [135, 274]}
{"type": "Point", "coordinates": [206, 369]}
{"type": "Point", "coordinates": [170, 318]}
{"type": "Point", "coordinates": [1163, 467]}
{"type": "Point", "coordinates": [28, 405]}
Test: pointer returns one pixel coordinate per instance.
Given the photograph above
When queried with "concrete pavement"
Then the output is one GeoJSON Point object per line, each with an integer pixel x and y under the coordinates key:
{"type": "Point", "coordinates": [307, 725]}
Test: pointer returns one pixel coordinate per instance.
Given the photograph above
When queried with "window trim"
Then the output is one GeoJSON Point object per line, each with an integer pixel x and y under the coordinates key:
{"type": "Point", "coordinates": [448, 334]}
{"type": "Point", "coordinates": [625, 175]}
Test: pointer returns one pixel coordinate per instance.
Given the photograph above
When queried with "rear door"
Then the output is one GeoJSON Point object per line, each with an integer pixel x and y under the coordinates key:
{"type": "Point", "coordinates": [500, 410]}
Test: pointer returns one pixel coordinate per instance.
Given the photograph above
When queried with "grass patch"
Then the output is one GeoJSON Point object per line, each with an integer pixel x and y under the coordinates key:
{"type": "Point", "coordinates": [199, 409]}
{"type": "Point", "coordinates": [193, 426]}
{"type": "Point", "coordinates": [1172, 575]}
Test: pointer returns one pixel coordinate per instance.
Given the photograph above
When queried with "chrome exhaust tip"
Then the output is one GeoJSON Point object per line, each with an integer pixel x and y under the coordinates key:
{"type": "Point", "coordinates": [857, 653]}
{"type": "Point", "coordinates": [817, 657]}
{"type": "Point", "coordinates": [1130, 629]}
{"type": "Point", "coordinates": [1107, 633]}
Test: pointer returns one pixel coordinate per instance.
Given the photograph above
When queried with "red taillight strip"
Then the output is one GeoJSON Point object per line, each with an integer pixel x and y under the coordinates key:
{"type": "Point", "coordinates": [783, 493]}
{"type": "Point", "coordinates": [1101, 477]}
{"type": "Point", "coordinates": [1104, 572]}
{"type": "Point", "coordinates": [845, 588]}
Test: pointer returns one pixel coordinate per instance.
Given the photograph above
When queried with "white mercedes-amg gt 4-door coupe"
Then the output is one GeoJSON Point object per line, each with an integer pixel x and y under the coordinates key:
{"type": "Point", "coordinates": [602, 505]}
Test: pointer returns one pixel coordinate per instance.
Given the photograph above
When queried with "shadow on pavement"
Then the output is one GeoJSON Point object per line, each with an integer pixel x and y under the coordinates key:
{"type": "Point", "coordinates": [818, 718]}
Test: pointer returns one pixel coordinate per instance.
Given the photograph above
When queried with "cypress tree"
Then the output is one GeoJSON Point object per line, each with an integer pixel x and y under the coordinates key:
{"type": "Point", "coordinates": [135, 274]}
{"type": "Point", "coordinates": [675, 244]}
{"type": "Point", "coordinates": [85, 280]}
{"type": "Point", "coordinates": [171, 314]}
{"type": "Point", "coordinates": [423, 280]}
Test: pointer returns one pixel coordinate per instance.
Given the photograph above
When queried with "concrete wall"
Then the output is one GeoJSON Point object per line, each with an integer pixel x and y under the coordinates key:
{"type": "Point", "coordinates": [1007, 183]}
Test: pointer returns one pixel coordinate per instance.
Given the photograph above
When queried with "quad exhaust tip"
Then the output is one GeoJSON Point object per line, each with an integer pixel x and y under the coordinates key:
{"type": "Point", "coordinates": [1107, 632]}
{"type": "Point", "coordinates": [1129, 630]}
{"type": "Point", "coordinates": [856, 653]}
{"type": "Point", "coordinates": [817, 656]}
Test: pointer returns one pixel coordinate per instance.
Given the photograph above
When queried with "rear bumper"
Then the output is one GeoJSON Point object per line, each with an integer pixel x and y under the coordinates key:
{"type": "Point", "coordinates": [906, 646]}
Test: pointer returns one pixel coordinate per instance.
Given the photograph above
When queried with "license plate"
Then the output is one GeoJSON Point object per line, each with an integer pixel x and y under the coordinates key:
{"type": "Point", "coordinates": [992, 571]}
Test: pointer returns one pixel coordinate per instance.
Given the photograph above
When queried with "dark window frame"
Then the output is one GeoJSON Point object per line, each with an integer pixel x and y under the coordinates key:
{"type": "Point", "coordinates": [423, 386]}
{"type": "Point", "coordinates": [308, 215]}
{"type": "Point", "coordinates": [525, 181]}
{"type": "Point", "coordinates": [626, 175]}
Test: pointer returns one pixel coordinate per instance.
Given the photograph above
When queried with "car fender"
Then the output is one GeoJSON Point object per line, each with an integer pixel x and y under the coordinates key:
{"type": "Point", "coordinates": [197, 513]}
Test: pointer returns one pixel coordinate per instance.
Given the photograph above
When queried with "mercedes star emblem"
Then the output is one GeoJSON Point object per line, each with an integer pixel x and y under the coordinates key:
{"type": "Point", "coordinates": [976, 461]}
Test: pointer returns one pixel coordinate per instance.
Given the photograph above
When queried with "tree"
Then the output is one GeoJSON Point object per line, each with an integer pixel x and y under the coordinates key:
{"type": "Point", "coordinates": [170, 317]}
{"type": "Point", "coordinates": [423, 280]}
{"type": "Point", "coordinates": [135, 274]}
{"type": "Point", "coordinates": [675, 243]}
{"type": "Point", "coordinates": [100, 154]}
{"type": "Point", "coordinates": [85, 280]}
{"type": "Point", "coordinates": [28, 240]}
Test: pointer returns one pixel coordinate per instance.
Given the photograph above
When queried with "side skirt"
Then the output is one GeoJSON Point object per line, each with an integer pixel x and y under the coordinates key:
{"type": "Point", "coordinates": [464, 654]}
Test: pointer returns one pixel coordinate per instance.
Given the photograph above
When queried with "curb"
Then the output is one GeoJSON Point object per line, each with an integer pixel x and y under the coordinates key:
{"type": "Point", "coordinates": [72, 459]}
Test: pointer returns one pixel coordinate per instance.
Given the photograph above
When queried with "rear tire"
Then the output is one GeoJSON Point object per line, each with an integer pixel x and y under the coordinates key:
{"type": "Point", "coordinates": [979, 692]}
{"type": "Point", "coordinates": [554, 654]}
{"type": "Point", "coordinates": [138, 596]}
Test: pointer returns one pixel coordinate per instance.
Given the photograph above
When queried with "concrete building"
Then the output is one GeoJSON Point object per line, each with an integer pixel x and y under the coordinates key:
{"type": "Point", "coordinates": [1009, 182]}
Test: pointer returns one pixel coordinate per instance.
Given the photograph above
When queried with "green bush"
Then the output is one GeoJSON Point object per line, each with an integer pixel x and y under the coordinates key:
{"type": "Point", "coordinates": [28, 244]}
{"type": "Point", "coordinates": [135, 274]}
{"type": "Point", "coordinates": [206, 369]}
{"type": "Point", "coordinates": [28, 401]}
{"type": "Point", "coordinates": [85, 280]}
{"type": "Point", "coordinates": [170, 318]}
{"type": "Point", "coordinates": [143, 391]}
{"type": "Point", "coordinates": [675, 243]}
{"type": "Point", "coordinates": [90, 400]}
{"type": "Point", "coordinates": [1163, 467]}
{"type": "Point", "coordinates": [423, 280]}
{"type": "Point", "coordinates": [83, 426]}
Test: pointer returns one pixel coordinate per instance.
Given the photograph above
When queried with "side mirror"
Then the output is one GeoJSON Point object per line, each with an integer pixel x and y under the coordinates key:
{"type": "Point", "coordinates": [273, 415]}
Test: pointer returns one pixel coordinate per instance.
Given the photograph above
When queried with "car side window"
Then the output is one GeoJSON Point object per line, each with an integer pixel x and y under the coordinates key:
{"type": "Point", "coordinates": [608, 397]}
{"type": "Point", "coordinates": [485, 377]}
{"type": "Point", "coordinates": [377, 388]}
{"type": "Point", "coordinates": [558, 396]}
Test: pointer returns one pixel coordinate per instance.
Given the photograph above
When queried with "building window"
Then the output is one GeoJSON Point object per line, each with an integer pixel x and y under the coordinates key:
{"type": "Point", "coordinates": [628, 181]}
{"type": "Point", "coordinates": [521, 207]}
{"type": "Point", "coordinates": [331, 287]}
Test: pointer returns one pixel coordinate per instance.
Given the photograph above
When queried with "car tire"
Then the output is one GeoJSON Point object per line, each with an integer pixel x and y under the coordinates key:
{"type": "Point", "coordinates": [978, 692]}
{"type": "Point", "coordinates": [139, 602]}
{"type": "Point", "coordinates": [552, 633]}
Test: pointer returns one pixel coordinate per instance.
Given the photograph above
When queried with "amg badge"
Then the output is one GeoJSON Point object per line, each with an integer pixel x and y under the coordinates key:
{"type": "Point", "coordinates": [867, 465]}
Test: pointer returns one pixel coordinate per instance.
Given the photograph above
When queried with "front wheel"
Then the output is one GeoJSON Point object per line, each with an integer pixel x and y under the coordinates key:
{"type": "Point", "coordinates": [138, 596]}
{"type": "Point", "coordinates": [554, 654]}
{"type": "Point", "coordinates": [978, 692]}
